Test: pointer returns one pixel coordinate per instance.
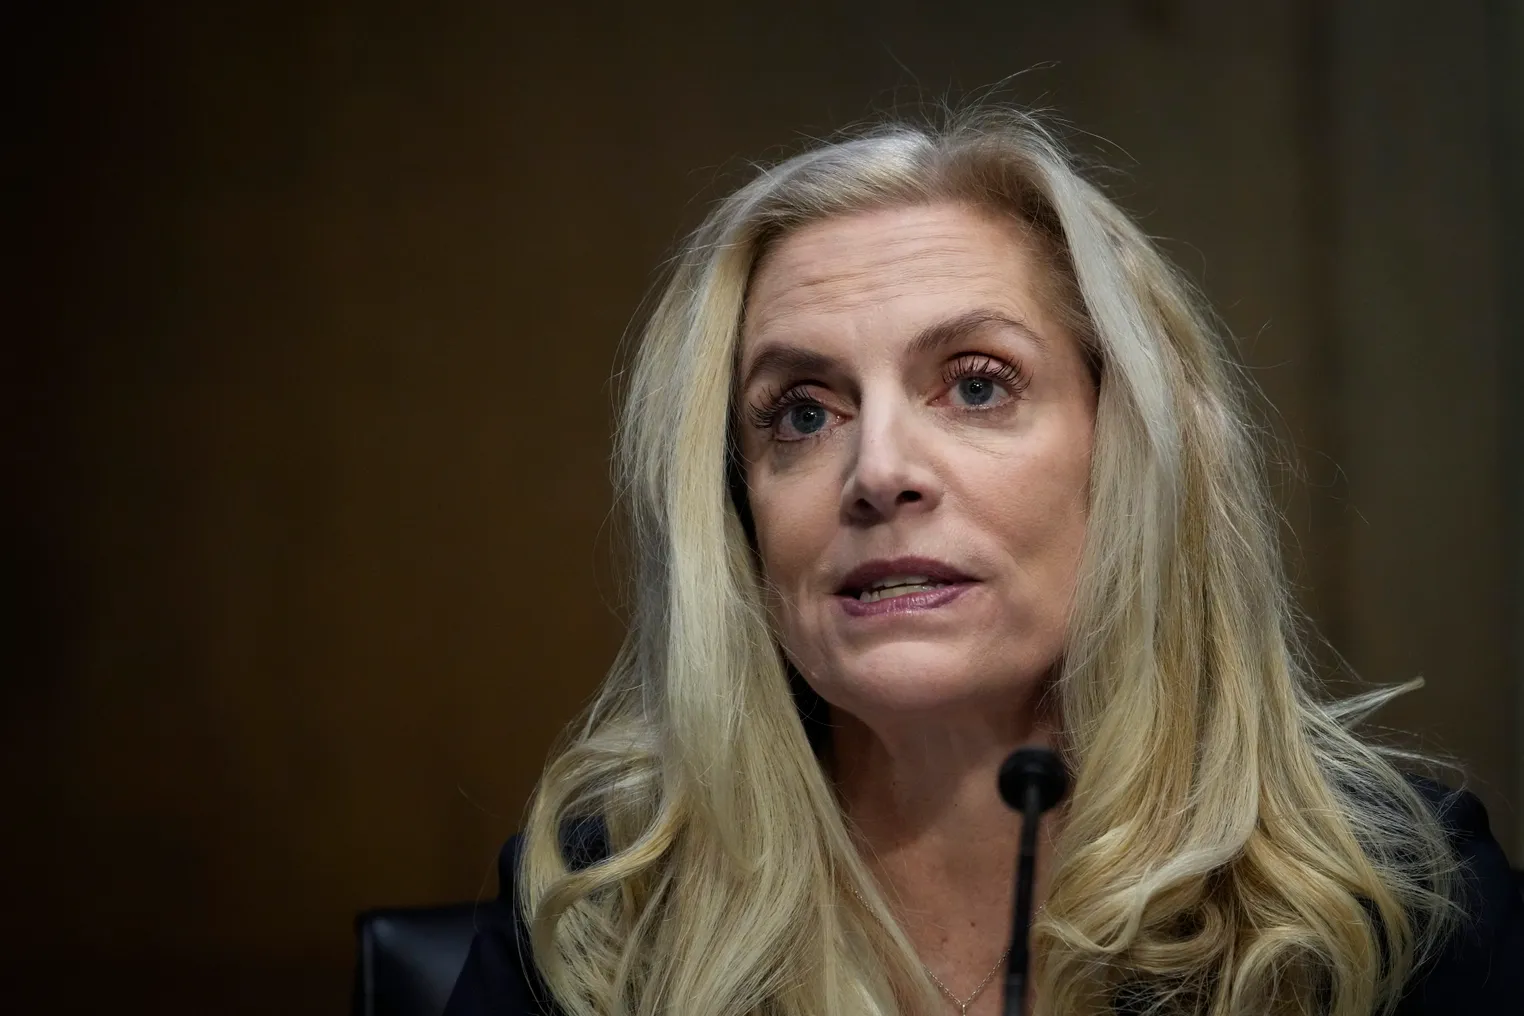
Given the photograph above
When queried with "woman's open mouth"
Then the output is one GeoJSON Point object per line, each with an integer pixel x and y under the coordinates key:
{"type": "Point", "coordinates": [899, 586]}
{"type": "Point", "coordinates": [903, 599]}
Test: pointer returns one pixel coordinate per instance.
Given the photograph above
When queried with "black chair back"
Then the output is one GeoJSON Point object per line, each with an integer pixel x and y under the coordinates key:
{"type": "Point", "coordinates": [409, 957]}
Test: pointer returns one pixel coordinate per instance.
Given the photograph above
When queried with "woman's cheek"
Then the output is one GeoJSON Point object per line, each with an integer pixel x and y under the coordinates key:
{"type": "Point", "coordinates": [789, 544]}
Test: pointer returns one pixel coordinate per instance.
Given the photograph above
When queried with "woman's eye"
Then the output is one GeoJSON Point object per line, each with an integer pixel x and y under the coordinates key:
{"type": "Point", "coordinates": [976, 381]}
{"type": "Point", "coordinates": [976, 391]}
{"type": "Point", "coordinates": [802, 419]}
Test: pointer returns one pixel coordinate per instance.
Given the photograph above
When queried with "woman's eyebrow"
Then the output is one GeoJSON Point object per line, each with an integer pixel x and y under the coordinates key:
{"type": "Point", "coordinates": [789, 360]}
{"type": "Point", "coordinates": [944, 333]}
{"type": "Point", "coordinates": [785, 359]}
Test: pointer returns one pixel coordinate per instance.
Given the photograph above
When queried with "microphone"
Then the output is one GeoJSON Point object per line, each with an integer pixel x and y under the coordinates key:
{"type": "Point", "coordinates": [1032, 780]}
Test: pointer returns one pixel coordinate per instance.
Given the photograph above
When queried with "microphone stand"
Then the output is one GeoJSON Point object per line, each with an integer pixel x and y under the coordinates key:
{"type": "Point", "coordinates": [1032, 780]}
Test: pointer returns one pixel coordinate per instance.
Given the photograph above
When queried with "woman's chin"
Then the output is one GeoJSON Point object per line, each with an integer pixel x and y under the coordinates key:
{"type": "Point", "coordinates": [920, 679]}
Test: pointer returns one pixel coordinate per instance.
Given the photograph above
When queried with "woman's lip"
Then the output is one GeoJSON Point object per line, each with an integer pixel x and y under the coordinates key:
{"type": "Point", "coordinates": [868, 573]}
{"type": "Point", "coordinates": [926, 599]}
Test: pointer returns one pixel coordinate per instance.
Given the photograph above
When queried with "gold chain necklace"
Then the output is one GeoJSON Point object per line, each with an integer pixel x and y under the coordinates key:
{"type": "Point", "coordinates": [964, 1003]}
{"type": "Point", "coordinates": [961, 1003]}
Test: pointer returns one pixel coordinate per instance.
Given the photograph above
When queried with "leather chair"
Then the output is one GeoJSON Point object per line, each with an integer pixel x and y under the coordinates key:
{"type": "Point", "coordinates": [409, 957]}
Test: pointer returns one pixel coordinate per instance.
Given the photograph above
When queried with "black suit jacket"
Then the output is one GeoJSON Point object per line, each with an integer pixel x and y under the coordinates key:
{"type": "Point", "coordinates": [1479, 973]}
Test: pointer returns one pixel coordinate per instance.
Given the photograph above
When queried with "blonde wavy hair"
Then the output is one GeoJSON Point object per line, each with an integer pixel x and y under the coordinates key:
{"type": "Point", "coordinates": [1230, 846]}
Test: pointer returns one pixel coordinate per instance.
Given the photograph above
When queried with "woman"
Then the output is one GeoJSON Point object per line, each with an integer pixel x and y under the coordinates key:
{"type": "Point", "coordinates": [929, 455]}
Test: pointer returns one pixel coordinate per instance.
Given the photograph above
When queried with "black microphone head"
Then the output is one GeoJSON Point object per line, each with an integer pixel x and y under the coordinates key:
{"type": "Point", "coordinates": [1027, 767]}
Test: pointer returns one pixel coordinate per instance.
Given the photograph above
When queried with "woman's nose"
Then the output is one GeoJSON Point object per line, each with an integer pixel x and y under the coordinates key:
{"type": "Point", "coordinates": [891, 471]}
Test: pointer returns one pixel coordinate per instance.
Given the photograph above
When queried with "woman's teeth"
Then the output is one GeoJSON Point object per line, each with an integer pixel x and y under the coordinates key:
{"type": "Point", "coordinates": [897, 586]}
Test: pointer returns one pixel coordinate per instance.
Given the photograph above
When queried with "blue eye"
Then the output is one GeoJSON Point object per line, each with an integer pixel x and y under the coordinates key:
{"type": "Point", "coordinates": [806, 417]}
{"type": "Point", "coordinates": [793, 415]}
{"type": "Point", "coordinates": [977, 381]}
{"type": "Point", "coordinates": [976, 391]}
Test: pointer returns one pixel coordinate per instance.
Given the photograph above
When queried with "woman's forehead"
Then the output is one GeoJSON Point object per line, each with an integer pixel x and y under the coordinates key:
{"type": "Point", "coordinates": [889, 263]}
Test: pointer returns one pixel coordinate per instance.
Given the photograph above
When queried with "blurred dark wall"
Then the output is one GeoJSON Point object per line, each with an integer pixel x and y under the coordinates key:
{"type": "Point", "coordinates": [307, 403]}
{"type": "Point", "coordinates": [1506, 65]}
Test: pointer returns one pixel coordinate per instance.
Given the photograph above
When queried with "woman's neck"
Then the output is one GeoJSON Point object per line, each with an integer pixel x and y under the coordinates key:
{"type": "Point", "coordinates": [923, 802]}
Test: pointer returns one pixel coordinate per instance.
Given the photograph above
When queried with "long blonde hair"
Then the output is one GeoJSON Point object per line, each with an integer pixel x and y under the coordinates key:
{"type": "Point", "coordinates": [1230, 846]}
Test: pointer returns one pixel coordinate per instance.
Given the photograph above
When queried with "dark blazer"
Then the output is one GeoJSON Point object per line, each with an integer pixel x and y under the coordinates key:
{"type": "Point", "coordinates": [1480, 972]}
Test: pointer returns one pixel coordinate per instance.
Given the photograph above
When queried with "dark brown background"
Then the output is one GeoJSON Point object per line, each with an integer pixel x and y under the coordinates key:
{"type": "Point", "coordinates": [307, 409]}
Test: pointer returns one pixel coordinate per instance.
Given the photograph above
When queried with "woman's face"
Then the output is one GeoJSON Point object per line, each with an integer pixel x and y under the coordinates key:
{"type": "Point", "coordinates": [916, 427]}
